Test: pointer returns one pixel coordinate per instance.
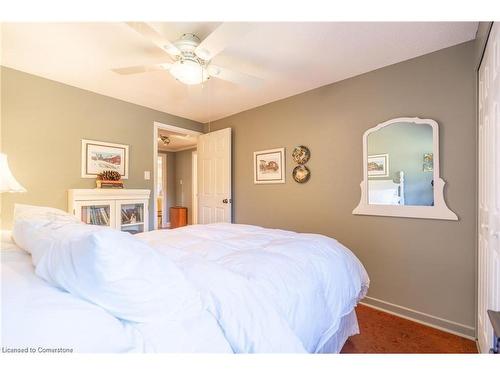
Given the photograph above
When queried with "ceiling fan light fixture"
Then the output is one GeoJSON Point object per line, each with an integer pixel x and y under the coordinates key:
{"type": "Point", "coordinates": [165, 139]}
{"type": "Point", "coordinates": [189, 72]}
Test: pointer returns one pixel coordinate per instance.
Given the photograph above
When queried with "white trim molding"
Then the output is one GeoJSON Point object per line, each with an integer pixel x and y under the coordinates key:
{"type": "Point", "coordinates": [438, 211]}
{"type": "Point", "coordinates": [433, 321]}
{"type": "Point", "coordinates": [176, 129]}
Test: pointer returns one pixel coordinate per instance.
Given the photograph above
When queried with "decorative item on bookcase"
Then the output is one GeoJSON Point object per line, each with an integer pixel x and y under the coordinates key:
{"type": "Point", "coordinates": [109, 179]}
{"type": "Point", "coordinates": [131, 215]}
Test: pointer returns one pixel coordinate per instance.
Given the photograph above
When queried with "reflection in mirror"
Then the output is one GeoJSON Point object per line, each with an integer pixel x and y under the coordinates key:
{"type": "Point", "coordinates": [401, 171]}
{"type": "Point", "coordinates": [400, 165]}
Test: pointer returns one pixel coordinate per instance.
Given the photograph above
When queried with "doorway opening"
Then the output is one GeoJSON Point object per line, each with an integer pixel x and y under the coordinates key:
{"type": "Point", "coordinates": [175, 176]}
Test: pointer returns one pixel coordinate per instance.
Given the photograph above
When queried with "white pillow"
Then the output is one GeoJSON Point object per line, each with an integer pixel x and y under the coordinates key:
{"type": "Point", "coordinates": [23, 211]}
{"type": "Point", "coordinates": [36, 216]}
{"type": "Point", "coordinates": [110, 268]}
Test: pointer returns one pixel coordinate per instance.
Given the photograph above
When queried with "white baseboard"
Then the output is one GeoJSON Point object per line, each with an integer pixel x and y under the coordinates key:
{"type": "Point", "coordinates": [423, 318]}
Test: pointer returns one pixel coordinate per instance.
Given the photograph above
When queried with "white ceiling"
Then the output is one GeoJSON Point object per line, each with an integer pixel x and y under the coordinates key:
{"type": "Point", "coordinates": [290, 58]}
{"type": "Point", "coordinates": [178, 141]}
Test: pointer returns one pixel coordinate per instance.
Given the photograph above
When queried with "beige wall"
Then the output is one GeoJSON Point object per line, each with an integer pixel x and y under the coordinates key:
{"type": "Point", "coordinates": [43, 123]}
{"type": "Point", "coordinates": [420, 264]}
{"type": "Point", "coordinates": [183, 172]}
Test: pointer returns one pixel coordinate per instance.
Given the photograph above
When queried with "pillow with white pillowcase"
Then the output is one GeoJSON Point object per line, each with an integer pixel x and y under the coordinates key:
{"type": "Point", "coordinates": [41, 212]}
{"type": "Point", "coordinates": [35, 216]}
{"type": "Point", "coordinates": [107, 267]}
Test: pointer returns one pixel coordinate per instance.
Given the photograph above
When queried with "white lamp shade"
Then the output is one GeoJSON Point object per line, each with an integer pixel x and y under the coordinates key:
{"type": "Point", "coordinates": [7, 181]}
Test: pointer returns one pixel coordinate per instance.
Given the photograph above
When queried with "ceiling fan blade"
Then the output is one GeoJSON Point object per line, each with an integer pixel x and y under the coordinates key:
{"type": "Point", "coordinates": [220, 38]}
{"type": "Point", "coordinates": [154, 36]}
{"type": "Point", "coordinates": [235, 77]}
{"type": "Point", "coordinates": [142, 68]}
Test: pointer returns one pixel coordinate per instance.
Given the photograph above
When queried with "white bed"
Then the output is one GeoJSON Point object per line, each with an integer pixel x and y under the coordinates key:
{"type": "Point", "coordinates": [263, 290]}
{"type": "Point", "coordinates": [387, 191]}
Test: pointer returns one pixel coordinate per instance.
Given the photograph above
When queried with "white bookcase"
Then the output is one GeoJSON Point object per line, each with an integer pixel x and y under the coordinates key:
{"type": "Point", "coordinates": [123, 209]}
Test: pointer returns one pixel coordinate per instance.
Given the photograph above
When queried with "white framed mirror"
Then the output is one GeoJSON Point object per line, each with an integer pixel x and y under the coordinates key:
{"type": "Point", "coordinates": [401, 171]}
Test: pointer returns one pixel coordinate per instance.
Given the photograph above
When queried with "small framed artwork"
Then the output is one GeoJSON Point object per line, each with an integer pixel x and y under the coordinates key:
{"type": "Point", "coordinates": [378, 165]}
{"type": "Point", "coordinates": [269, 166]}
{"type": "Point", "coordinates": [428, 165]}
{"type": "Point", "coordinates": [103, 156]}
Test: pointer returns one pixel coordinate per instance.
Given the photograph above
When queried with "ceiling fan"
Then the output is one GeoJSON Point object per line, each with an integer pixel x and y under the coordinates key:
{"type": "Point", "coordinates": [165, 139]}
{"type": "Point", "coordinates": [191, 58]}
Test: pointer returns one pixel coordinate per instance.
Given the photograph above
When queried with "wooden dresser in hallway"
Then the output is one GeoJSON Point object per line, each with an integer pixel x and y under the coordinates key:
{"type": "Point", "coordinates": [178, 217]}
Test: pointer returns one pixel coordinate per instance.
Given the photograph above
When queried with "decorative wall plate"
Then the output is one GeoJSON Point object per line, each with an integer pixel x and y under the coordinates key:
{"type": "Point", "coordinates": [301, 154]}
{"type": "Point", "coordinates": [301, 174]}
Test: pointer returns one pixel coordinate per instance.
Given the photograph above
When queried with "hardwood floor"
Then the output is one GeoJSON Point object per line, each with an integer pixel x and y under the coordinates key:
{"type": "Point", "coordinates": [386, 333]}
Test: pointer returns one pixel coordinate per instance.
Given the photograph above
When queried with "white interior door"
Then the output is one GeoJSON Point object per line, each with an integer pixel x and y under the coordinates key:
{"type": "Point", "coordinates": [214, 177]}
{"type": "Point", "coordinates": [489, 189]}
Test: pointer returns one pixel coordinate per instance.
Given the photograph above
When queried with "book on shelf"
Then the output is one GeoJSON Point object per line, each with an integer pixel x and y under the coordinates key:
{"type": "Point", "coordinates": [97, 216]}
{"type": "Point", "coordinates": [104, 216]}
{"type": "Point", "coordinates": [125, 217]}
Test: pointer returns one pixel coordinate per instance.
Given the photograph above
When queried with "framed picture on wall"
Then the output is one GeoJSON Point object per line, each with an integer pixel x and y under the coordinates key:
{"type": "Point", "coordinates": [378, 165]}
{"type": "Point", "coordinates": [428, 164]}
{"type": "Point", "coordinates": [103, 156]}
{"type": "Point", "coordinates": [269, 166]}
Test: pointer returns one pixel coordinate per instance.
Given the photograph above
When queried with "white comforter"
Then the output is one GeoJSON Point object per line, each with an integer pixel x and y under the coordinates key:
{"type": "Point", "coordinates": [265, 290]}
{"type": "Point", "coordinates": [270, 290]}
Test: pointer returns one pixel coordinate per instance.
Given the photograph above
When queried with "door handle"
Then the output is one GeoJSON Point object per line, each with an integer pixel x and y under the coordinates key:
{"type": "Point", "coordinates": [225, 200]}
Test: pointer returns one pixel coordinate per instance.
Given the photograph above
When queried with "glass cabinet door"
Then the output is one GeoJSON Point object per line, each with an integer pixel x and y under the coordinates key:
{"type": "Point", "coordinates": [96, 213]}
{"type": "Point", "coordinates": [131, 216]}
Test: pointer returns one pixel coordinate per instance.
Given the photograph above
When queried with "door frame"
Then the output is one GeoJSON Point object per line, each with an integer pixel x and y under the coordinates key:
{"type": "Point", "coordinates": [164, 161]}
{"type": "Point", "coordinates": [194, 190]}
{"type": "Point", "coordinates": [157, 126]}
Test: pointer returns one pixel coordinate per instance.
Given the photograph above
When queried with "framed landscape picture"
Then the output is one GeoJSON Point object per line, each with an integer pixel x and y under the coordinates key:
{"type": "Point", "coordinates": [103, 156]}
{"type": "Point", "coordinates": [269, 166]}
{"type": "Point", "coordinates": [378, 165]}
